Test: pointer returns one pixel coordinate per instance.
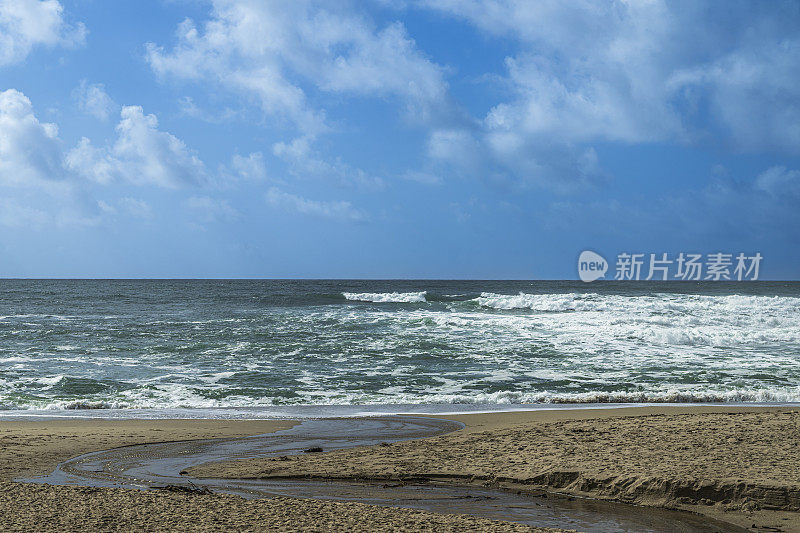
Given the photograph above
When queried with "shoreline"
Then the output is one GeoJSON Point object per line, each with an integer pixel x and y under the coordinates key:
{"type": "Point", "coordinates": [300, 412]}
{"type": "Point", "coordinates": [35, 447]}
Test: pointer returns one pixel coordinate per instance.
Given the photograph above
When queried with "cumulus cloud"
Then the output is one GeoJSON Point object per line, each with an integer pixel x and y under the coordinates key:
{"type": "Point", "coordinates": [337, 209]}
{"type": "Point", "coordinates": [639, 72]}
{"type": "Point", "coordinates": [262, 49]}
{"type": "Point", "coordinates": [32, 154]}
{"type": "Point", "coordinates": [26, 24]}
{"type": "Point", "coordinates": [589, 72]}
{"type": "Point", "coordinates": [93, 100]}
{"type": "Point", "coordinates": [275, 53]}
{"type": "Point", "coordinates": [33, 161]}
{"type": "Point", "coordinates": [141, 154]}
{"type": "Point", "coordinates": [30, 151]}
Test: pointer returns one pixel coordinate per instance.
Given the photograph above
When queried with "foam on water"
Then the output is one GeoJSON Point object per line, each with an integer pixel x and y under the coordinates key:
{"type": "Point", "coordinates": [217, 345]}
{"type": "Point", "coordinates": [386, 297]}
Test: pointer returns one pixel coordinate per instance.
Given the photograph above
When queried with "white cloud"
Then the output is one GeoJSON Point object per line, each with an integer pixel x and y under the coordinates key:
{"type": "Point", "coordinates": [420, 176]}
{"type": "Point", "coordinates": [25, 24]}
{"type": "Point", "coordinates": [585, 71]}
{"type": "Point", "coordinates": [31, 154]}
{"type": "Point", "coordinates": [136, 207]}
{"type": "Point", "coordinates": [31, 210]}
{"type": "Point", "coordinates": [290, 202]}
{"type": "Point", "coordinates": [150, 155]}
{"type": "Point", "coordinates": [251, 167]}
{"type": "Point", "coordinates": [278, 53]}
{"type": "Point", "coordinates": [33, 161]}
{"type": "Point", "coordinates": [189, 108]}
{"type": "Point", "coordinates": [456, 146]}
{"type": "Point", "coordinates": [30, 151]}
{"type": "Point", "coordinates": [13, 215]}
{"type": "Point", "coordinates": [513, 159]}
{"type": "Point", "coordinates": [386, 63]}
{"type": "Point", "coordinates": [780, 182]}
{"type": "Point", "coordinates": [272, 53]}
{"type": "Point", "coordinates": [263, 49]}
{"type": "Point", "coordinates": [95, 164]}
{"type": "Point", "coordinates": [141, 154]}
{"type": "Point", "coordinates": [640, 72]}
{"type": "Point", "coordinates": [303, 162]}
{"type": "Point", "coordinates": [753, 94]}
{"type": "Point", "coordinates": [211, 209]}
{"type": "Point", "coordinates": [93, 100]}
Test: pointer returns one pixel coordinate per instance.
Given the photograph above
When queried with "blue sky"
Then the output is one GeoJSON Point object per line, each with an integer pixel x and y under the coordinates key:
{"type": "Point", "coordinates": [449, 139]}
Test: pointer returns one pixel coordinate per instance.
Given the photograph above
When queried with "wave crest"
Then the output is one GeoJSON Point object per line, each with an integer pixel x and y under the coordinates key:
{"type": "Point", "coordinates": [534, 302]}
{"type": "Point", "coordinates": [386, 297]}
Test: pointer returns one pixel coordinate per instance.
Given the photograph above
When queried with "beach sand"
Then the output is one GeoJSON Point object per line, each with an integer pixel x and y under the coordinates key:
{"type": "Point", "coordinates": [29, 448]}
{"type": "Point", "coordinates": [25, 507]}
{"type": "Point", "coordinates": [736, 464]}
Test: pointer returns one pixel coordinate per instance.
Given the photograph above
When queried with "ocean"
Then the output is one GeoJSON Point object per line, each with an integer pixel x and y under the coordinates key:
{"type": "Point", "coordinates": [248, 344]}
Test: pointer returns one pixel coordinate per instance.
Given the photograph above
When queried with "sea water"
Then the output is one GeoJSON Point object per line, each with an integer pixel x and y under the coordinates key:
{"type": "Point", "coordinates": [220, 344]}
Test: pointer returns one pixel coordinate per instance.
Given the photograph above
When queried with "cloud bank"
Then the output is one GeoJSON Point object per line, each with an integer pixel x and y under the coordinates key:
{"type": "Point", "coordinates": [27, 24]}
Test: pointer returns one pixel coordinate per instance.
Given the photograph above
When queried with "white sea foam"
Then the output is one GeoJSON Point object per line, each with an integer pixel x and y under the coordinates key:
{"type": "Point", "coordinates": [775, 306]}
{"type": "Point", "coordinates": [49, 381]}
{"type": "Point", "coordinates": [386, 297]}
{"type": "Point", "coordinates": [536, 302]}
{"type": "Point", "coordinates": [396, 396]}
{"type": "Point", "coordinates": [84, 404]}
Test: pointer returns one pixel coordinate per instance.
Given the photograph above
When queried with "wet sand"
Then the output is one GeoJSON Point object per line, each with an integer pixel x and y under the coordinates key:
{"type": "Point", "coordinates": [35, 447]}
{"type": "Point", "coordinates": [737, 464]}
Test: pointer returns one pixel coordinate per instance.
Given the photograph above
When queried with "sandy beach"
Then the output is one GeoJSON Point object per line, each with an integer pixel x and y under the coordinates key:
{"type": "Point", "coordinates": [29, 448]}
{"type": "Point", "coordinates": [736, 464]}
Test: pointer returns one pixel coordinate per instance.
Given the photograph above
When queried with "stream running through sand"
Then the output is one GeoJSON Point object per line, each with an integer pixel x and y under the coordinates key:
{"type": "Point", "coordinates": [149, 466]}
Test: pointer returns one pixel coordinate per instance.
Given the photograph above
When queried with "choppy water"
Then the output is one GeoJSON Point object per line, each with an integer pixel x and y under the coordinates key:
{"type": "Point", "coordinates": [209, 344]}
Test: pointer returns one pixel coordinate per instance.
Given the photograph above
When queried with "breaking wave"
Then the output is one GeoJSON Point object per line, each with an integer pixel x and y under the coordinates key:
{"type": "Point", "coordinates": [386, 297]}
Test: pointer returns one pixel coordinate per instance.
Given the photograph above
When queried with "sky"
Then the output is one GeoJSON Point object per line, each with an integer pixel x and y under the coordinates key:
{"type": "Point", "coordinates": [406, 139]}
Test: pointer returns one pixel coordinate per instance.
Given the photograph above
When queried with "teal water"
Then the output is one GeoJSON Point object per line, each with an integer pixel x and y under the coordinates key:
{"type": "Point", "coordinates": [220, 344]}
